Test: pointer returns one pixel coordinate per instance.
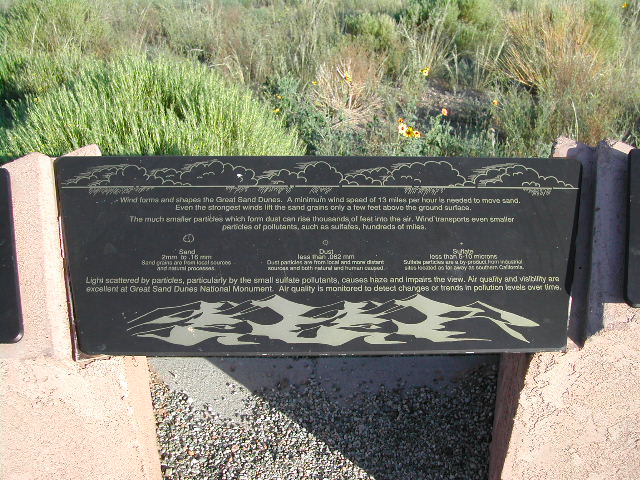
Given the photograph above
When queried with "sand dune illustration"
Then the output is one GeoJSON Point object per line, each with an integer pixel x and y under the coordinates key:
{"type": "Point", "coordinates": [376, 323]}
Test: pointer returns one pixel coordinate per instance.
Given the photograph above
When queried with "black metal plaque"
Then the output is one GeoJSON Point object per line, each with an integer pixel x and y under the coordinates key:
{"type": "Point", "coordinates": [10, 309]}
{"type": "Point", "coordinates": [632, 280]}
{"type": "Point", "coordinates": [309, 256]}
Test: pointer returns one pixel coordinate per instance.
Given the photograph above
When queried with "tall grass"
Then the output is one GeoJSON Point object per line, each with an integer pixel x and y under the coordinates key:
{"type": "Point", "coordinates": [429, 46]}
{"type": "Point", "coordinates": [53, 25]}
{"type": "Point", "coordinates": [531, 69]}
{"type": "Point", "coordinates": [567, 54]}
{"type": "Point", "coordinates": [252, 44]}
{"type": "Point", "coordinates": [139, 106]}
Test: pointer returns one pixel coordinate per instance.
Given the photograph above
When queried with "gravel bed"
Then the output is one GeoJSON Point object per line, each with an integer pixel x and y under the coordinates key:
{"type": "Point", "coordinates": [301, 432]}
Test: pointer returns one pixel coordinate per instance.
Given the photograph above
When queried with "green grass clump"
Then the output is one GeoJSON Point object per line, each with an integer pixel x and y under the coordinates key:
{"type": "Point", "coordinates": [378, 29]}
{"type": "Point", "coordinates": [53, 25]}
{"type": "Point", "coordinates": [22, 74]}
{"type": "Point", "coordinates": [146, 107]}
{"type": "Point", "coordinates": [468, 22]}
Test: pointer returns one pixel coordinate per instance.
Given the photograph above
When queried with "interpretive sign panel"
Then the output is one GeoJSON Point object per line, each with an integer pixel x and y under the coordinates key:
{"type": "Point", "coordinates": [309, 255]}
{"type": "Point", "coordinates": [10, 309]}
{"type": "Point", "coordinates": [632, 283]}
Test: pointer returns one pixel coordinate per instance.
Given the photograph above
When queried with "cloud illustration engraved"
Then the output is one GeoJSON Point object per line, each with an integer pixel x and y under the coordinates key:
{"type": "Point", "coordinates": [427, 174]}
{"type": "Point", "coordinates": [308, 173]}
{"type": "Point", "coordinates": [514, 175]}
{"type": "Point", "coordinates": [320, 173]}
{"type": "Point", "coordinates": [377, 323]}
{"type": "Point", "coordinates": [367, 176]}
{"type": "Point", "coordinates": [94, 176]}
{"type": "Point", "coordinates": [124, 175]}
{"type": "Point", "coordinates": [169, 176]}
{"type": "Point", "coordinates": [281, 177]}
{"type": "Point", "coordinates": [430, 173]}
{"type": "Point", "coordinates": [212, 172]}
{"type": "Point", "coordinates": [130, 175]}
{"type": "Point", "coordinates": [216, 173]}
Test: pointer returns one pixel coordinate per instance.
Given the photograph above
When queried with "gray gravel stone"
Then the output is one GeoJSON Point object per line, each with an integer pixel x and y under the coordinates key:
{"type": "Point", "coordinates": [299, 431]}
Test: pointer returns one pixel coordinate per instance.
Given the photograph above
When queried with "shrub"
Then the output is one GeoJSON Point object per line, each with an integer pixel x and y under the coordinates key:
{"type": "Point", "coordinates": [420, 12]}
{"type": "Point", "coordinates": [551, 44]}
{"type": "Point", "coordinates": [316, 125]}
{"type": "Point", "coordinates": [439, 138]}
{"type": "Point", "coordinates": [429, 46]}
{"type": "Point", "coordinates": [348, 86]}
{"type": "Point", "coordinates": [522, 122]}
{"type": "Point", "coordinates": [136, 106]}
{"type": "Point", "coordinates": [557, 67]}
{"type": "Point", "coordinates": [479, 70]}
{"type": "Point", "coordinates": [379, 30]}
{"type": "Point", "coordinates": [294, 105]}
{"type": "Point", "coordinates": [467, 22]}
{"type": "Point", "coordinates": [390, 7]}
{"type": "Point", "coordinates": [606, 25]}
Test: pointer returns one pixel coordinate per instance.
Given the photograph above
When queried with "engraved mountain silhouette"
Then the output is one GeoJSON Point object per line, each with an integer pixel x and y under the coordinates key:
{"type": "Point", "coordinates": [376, 323]}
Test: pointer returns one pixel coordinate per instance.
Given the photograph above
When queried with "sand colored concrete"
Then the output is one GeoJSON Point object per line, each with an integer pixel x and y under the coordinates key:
{"type": "Point", "coordinates": [511, 376]}
{"type": "Point", "coordinates": [61, 418]}
{"type": "Point", "coordinates": [577, 414]}
{"type": "Point", "coordinates": [87, 151]}
{"type": "Point", "coordinates": [40, 267]}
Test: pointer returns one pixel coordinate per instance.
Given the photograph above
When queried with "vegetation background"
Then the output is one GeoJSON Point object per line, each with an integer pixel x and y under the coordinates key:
{"type": "Point", "coordinates": [318, 77]}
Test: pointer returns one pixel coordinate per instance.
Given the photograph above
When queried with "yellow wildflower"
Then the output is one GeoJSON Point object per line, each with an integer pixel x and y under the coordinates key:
{"type": "Point", "coordinates": [276, 110]}
{"type": "Point", "coordinates": [401, 120]}
{"type": "Point", "coordinates": [495, 102]}
{"type": "Point", "coordinates": [417, 134]}
{"type": "Point", "coordinates": [279, 97]}
{"type": "Point", "coordinates": [425, 71]}
{"type": "Point", "coordinates": [445, 112]}
{"type": "Point", "coordinates": [625, 5]}
{"type": "Point", "coordinates": [314, 82]}
{"type": "Point", "coordinates": [347, 77]}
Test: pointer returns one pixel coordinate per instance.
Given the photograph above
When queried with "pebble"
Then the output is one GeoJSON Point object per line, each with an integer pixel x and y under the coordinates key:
{"type": "Point", "coordinates": [301, 432]}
